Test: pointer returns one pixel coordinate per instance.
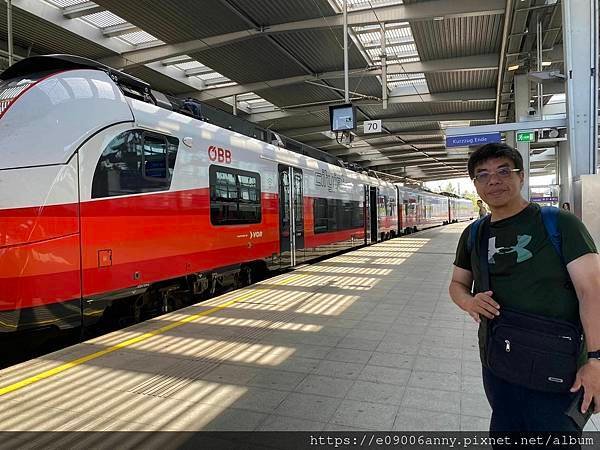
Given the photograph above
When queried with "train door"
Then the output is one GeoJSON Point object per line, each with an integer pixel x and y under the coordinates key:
{"type": "Point", "coordinates": [367, 214]}
{"type": "Point", "coordinates": [291, 216]}
{"type": "Point", "coordinates": [373, 213]}
{"type": "Point", "coordinates": [400, 209]}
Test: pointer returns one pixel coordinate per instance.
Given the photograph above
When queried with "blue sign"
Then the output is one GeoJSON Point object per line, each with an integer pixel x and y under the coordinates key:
{"type": "Point", "coordinates": [544, 199]}
{"type": "Point", "coordinates": [472, 140]}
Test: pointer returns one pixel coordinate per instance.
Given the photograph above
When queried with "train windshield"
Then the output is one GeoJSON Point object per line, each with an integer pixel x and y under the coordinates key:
{"type": "Point", "coordinates": [10, 90]}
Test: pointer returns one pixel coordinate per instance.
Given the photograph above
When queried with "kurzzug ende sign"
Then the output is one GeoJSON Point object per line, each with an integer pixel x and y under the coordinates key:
{"type": "Point", "coordinates": [471, 140]}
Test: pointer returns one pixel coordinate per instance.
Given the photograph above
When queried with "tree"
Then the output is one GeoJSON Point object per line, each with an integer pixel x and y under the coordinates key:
{"type": "Point", "coordinates": [450, 188]}
{"type": "Point", "coordinates": [472, 196]}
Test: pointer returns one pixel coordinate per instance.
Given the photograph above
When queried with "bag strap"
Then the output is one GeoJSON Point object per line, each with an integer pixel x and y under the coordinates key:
{"type": "Point", "coordinates": [484, 282]}
{"type": "Point", "coordinates": [473, 233]}
{"type": "Point", "coordinates": [550, 219]}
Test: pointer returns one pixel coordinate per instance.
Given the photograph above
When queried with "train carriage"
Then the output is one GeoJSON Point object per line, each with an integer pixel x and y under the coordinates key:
{"type": "Point", "coordinates": [114, 197]}
{"type": "Point", "coordinates": [110, 191]}
{"type": "Point", "coordinates": [460, 209]}
{"type": "Point", "coordinates": [419, 209]}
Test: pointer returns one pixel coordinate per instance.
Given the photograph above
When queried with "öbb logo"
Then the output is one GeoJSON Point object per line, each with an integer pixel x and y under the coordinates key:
{"type": "Point", "coordinates": [219, 154]}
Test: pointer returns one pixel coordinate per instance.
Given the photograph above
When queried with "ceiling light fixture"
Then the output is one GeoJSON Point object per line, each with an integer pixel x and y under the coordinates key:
{"type": "Point", "coordinates": [546, 63]}
{"type": "Point", "coordinates": [514, 67]}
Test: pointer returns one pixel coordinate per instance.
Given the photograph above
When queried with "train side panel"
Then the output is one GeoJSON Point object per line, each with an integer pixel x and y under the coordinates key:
{"type": "Point", "coordinates": [134, 240]}
{"type": "Point", "coordinates": [334, 209]}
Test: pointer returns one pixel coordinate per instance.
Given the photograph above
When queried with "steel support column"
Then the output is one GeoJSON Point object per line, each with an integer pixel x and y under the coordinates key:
{"type": "Point", "coordinates": [346, 82]}
{"type": "Point", "coordinates": [564, 173]}
{"type": "Point", "coordinates": [522, 97]}
{"type": "Point", "coordinates": [511, 138]}
{"type": "Point", "coordinates": [580, 34]}
{"type": "Point", "coordinates": [10, 32]}
{"type": "Point", "coordinates": [384, 87]}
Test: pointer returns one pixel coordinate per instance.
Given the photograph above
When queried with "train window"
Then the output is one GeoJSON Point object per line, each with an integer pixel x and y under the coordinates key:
{"type": "Point", "coordinates": [135, 162]}
{"type": "Point", "coordinates": [358, 215]}
{"type": "Point", "coordinates": [234, 196]}
{"type": "Point", "coordinates": [345, 221]}
{"type": "Point", "coordinates": [391, 207]}
{"type": "Point", "coordinates": [155, 158]}
{"type": "Point", "coordinates": [225, 186]}
{"type": "Point", "coordinates": [320, 215]}
{"type": "Point", "coordinates": [337, 215]}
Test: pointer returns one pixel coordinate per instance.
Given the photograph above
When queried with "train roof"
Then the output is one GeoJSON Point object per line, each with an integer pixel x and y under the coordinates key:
{"type": "Point", "coordinates": [48, 63]}
{"type": "Point", "coordinates": [136, 88]}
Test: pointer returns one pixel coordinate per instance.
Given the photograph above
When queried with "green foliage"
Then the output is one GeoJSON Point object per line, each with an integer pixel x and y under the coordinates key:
{"type": "Point", "coordinates": [450, 188]}
{"type": "Point", "coordinates": [473, 197]}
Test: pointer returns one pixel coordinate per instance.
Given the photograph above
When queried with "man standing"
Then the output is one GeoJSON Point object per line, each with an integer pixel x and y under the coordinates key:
{"type": "Point", "coordinates": [527, 275]}
{"type": "Point", "coordinates": [482, 210]}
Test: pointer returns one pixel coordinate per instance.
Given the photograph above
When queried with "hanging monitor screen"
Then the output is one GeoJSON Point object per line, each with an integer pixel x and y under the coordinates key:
{"type": "Point", "coordinates": [342, 118]}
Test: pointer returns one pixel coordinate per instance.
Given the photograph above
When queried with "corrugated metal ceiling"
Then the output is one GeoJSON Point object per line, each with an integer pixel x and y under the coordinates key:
{"type": "Point", "coordinates": [160, 82]}
{"type": "Point", "coordinates": [396, 127]}
{"type": "Point", "coordinates": [177, 21]}
{"type": "Point", "coordinates": [366, 86]}
{"type": "Point", "coordinates": [272, 12]}
{"type": "Point", "coordinates": [464, 36]}
{"type": "Point", "coordinates": [44, 37]}
{"type": "Point", "coordinates": [330, 45]}
{"type": "Point", "coordinates": [459, 81]}
{"type": "Point", "coordinates": [302, 120]}
{"type": "Point", "coordinates": [252, 60]}
{"type": "Point", "coordinates": [318, 50]}
{"type": "Point", "coordinates": [299, 94]}
{"type": "Point", "coordinates": [398, 110]}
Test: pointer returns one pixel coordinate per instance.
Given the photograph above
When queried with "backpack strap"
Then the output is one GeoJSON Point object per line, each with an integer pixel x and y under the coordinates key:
{"type": "Point", "coordinates": [550, 219]}
{"type": "Point", "coordinates": [474, 233]}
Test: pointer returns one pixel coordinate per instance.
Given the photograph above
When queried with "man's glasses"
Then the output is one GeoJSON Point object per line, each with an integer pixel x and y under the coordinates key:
{"type": "Point", "coordinates": [502, 172]}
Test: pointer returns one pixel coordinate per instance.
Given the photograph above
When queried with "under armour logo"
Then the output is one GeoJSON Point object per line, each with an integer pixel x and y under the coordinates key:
{"type": "Point", "coordinates": [522, 253]}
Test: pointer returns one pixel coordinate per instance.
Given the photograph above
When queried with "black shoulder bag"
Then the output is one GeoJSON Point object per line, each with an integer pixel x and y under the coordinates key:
{"type": "Point", "coordinates": [527, 349]}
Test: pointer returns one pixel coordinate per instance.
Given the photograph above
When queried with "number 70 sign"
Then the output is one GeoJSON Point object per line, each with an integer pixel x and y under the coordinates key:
{"type": "Point", "coordinates": [372, 126]}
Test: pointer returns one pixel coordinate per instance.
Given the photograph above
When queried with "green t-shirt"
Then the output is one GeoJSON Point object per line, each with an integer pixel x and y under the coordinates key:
{"type": "Point", "coordinates": [526, 273]}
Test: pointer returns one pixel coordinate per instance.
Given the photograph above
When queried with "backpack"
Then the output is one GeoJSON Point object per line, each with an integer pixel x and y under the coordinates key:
{"type": "Point", "coordinates": [550, 220]}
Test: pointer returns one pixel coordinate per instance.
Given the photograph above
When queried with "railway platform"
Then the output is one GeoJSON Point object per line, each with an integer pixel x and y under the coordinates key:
{"type": "Point", "coordinates": [368, 340]}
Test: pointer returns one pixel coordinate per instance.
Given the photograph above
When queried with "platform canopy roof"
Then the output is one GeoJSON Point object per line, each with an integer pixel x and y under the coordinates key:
{"type": "Point", "coordinates": [449, 63]}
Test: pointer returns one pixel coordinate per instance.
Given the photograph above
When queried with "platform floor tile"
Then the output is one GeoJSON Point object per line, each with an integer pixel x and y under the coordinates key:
{"type": "Point", "coordinates": [368, 340]}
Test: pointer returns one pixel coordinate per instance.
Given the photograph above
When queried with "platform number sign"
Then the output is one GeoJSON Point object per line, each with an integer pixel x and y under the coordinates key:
{"type": "Point", "coordinates": [372, 126]}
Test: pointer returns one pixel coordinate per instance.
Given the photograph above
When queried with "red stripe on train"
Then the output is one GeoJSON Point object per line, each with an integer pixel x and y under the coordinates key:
{"type": "Point", "coordinates": [23, 225]}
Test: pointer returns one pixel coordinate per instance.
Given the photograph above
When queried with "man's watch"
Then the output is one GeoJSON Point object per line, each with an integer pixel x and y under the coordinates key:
{"type": "Point", "coordinates": [594, 355]}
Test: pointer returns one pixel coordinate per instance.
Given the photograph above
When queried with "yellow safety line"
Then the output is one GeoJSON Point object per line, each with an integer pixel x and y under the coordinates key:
{"type": "Point", "coordinates": [55, 371]}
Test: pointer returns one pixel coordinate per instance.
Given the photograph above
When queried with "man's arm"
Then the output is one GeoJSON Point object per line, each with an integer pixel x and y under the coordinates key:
{"type": "Point", "coordinates": [585, 274]}
{"type": "Point", "coordinates": [460, 293]}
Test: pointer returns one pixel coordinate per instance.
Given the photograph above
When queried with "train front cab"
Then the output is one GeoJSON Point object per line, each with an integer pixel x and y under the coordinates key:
{"type": "Point", "coordinates": [44, 119]}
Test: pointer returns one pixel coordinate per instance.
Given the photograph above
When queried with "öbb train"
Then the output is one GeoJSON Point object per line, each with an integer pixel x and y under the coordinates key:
{"type": "Point", "coordinates": [110, 190]}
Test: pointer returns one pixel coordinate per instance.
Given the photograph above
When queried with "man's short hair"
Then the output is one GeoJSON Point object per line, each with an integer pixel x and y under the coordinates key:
{"type": "Point", "coordinates": [489, 151]}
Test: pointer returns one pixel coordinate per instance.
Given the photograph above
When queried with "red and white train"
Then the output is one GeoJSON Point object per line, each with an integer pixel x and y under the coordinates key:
{"type": "Point", "coordinates": [109, 190]}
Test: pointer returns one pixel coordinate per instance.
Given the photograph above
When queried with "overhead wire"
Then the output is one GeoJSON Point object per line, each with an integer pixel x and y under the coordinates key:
{"type": "Point", "coordinates": [420, 96]}
{"type": "Point", "coordinates": [407, 77]}
{"type": "Point", "coordinates": [366, 68]}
